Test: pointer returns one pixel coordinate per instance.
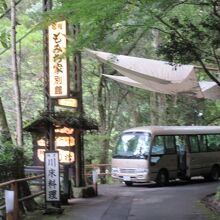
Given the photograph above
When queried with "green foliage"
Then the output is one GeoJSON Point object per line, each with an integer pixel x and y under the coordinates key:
{"type": "Point", "coordinates": [3, 6]}
{"type": "Point", "coordinates": [92, 148]}
{"type": "Point", "coordinates": [189, 38]}
{"type": "Point", "coordinates": [30, 67]}
{"type": "Point", "coordinates": [4, 39]}
{"type": "Point", "coordinates": [10, 158]}
{"type": "Point", "coordinates": [217, 195]}
{"type": "Point", "coordinates": [6, 153]}
{"type": "Point", "coordinates": [4, 34]}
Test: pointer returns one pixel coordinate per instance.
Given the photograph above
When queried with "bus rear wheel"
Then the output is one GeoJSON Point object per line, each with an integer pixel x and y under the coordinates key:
{"type": "Point", "coordinates": [214, 174]}
{"type": "Point", "coordinates": [162, 178]}
{"type": "Point", "coordinates": [128, 183]}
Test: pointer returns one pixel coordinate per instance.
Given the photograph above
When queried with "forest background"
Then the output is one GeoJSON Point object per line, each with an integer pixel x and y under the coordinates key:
{"type": "Point", "coordinates": [179, 31]}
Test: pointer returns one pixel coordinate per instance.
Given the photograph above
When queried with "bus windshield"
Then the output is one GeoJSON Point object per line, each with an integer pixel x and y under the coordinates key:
{"type": "Point", "coordinates": [133, 145]}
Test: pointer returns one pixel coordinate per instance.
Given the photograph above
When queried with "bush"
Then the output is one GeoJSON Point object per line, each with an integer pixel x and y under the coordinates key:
{"type": "Point", "coordinates": [10, 159]}
{"type": "Point", "coordinates": [217, 195]}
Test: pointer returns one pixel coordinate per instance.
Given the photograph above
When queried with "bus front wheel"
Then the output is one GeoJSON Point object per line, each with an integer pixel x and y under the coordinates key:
{"type": "Point", "coordinates": [162, 178]}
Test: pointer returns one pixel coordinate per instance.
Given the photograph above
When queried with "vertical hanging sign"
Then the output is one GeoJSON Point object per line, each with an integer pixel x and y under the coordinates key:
{"type": "Point", "coordinates": [52, 176]}
{"type": "Point", "coordinates": [58, 64]}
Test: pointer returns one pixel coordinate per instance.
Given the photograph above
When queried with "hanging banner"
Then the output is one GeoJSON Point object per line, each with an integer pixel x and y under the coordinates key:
{"type": "Point", "coordinates": [58, 64]}
{"type": "Point", "coordinates": [52, 176]}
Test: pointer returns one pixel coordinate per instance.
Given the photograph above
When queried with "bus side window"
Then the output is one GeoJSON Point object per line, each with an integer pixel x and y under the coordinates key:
{"type": "Point", "coordinates": [194, 146]}
{"type": "Point", "coordinates": [217, 142]}
{"type": "Point", "coordinates": [158, 146]}
{"type": "Point", "coordinates": [180, 143]}
{"type": "Point", "coordinates": [213, 142]}
{"type": "Point", "coordinates": [202, 143]}
{"type": "Point", "coordinates": [170, 144]}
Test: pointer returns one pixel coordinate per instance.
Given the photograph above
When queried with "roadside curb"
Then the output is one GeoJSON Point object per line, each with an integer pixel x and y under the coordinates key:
{"type": "Point", "coordinates": [210, 202]}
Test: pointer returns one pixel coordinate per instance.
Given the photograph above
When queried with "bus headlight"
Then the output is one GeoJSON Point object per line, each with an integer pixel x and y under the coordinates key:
{"type": "Point", "coordinates": [141, 170]}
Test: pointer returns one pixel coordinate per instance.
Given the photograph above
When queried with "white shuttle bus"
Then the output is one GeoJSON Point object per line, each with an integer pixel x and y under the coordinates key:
{"type": "Point", "coordinates": [163, 153]}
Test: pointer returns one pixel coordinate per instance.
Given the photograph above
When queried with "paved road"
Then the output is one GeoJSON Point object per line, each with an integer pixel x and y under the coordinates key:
{"type": "Point", "coordinates": [178, 201]}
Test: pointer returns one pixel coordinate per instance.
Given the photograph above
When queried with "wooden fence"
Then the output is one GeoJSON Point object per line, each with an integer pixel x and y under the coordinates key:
{"type": "Point", "coordinates": [102, 170]}
{"type": "Point", "coordinates": [35, 176]}
{"type": "Point", "coordinates": [13, 185]}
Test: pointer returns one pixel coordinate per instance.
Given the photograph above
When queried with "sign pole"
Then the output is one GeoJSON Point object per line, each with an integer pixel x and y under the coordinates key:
{"type": "Point", "coordinates": [48, 102]}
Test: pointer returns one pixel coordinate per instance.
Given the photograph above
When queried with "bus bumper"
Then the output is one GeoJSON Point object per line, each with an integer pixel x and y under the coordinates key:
{"type": "Point", "coordinates": [138, 178]}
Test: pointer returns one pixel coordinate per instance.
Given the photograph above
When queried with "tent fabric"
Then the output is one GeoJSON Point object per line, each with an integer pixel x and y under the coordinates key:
{"type": "Point", "coordinates": [210, 90]}
{"type": "Point", "coordinates": [157, 76]}
{"type": "Point", "coordinates": [130, 82]}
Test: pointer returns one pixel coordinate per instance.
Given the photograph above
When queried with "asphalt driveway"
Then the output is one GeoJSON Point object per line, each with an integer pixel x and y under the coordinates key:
{"type": "Point", "coordinates": [178, 201]}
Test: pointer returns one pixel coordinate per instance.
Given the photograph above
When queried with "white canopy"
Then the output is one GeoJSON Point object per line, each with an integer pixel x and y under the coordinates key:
{"type": "Point", "coordinates": [157, 76]}
{"type": "Point", "coordinates": [210, 90]}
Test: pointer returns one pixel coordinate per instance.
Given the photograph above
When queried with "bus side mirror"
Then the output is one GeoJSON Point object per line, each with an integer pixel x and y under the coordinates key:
{"type": "Point", "coordinates": [145, 155]}
{"type": "Point", "coordinates": [154, 160]}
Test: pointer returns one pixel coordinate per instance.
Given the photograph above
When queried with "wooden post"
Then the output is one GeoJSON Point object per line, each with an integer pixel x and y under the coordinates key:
{"type": "Point", "coordinates": [9, 216]}
{"type": "Point", "coordinates": [49, 104]}
{"type": "Point", "coordinates": [79, 150]}
{"type": "Point", "coordinates": [15, 214]}
{"type": "Point", "coordinates": [94, 181]}
{"type": "Point", "coordinates": [79, 160]}
{"type": "Point", "coordinates": [16, 205]}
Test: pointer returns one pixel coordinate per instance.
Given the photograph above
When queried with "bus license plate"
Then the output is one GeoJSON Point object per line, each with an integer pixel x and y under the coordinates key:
{"type": "Point", "coordinates": [126, 178]}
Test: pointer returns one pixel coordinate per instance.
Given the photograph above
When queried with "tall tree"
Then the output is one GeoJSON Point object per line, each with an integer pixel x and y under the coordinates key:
{"type": "Point", "coordinates": [14, 68]}
{"type": "Point", "coordinates": [24, 189]}
{"type": "Point", "coordinates": [189, 38]}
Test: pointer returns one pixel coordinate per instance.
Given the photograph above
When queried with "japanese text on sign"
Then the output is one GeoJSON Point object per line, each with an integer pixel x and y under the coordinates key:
{"type": "Point", "coordinates": [52, 176]}
{"type": "Point", "coordinates": [58, 76]}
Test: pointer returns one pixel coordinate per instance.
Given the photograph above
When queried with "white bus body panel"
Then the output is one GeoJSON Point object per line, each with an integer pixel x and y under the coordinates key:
{"type": "Point", "coordinates": [132, 170]}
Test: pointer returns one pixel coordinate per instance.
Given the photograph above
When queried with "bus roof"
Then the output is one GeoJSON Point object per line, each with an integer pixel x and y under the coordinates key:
{"type": "Point", "coordinates": [168, 130]}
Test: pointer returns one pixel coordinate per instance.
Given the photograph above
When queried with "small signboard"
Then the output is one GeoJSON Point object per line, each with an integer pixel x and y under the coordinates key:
{"type": "Point", "coordinates": [52, 176]}
{"type": "Point", "coordinates": [70, 102]}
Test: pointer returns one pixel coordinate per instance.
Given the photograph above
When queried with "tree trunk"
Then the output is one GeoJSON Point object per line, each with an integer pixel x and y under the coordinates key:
{"type": "Point", "coordinates": [19, 127]}
{"type": "Point", "coordinates": [162, 109]}
{"type": "Point", "coordinates": [134, 110]}
{"type": "Point", "coordinates": [153, 109]}
{"type": "Point", "coordinates": [24, 189]}
{"type": "Point", "coordinates": [5, 135]}
{"type": "Point", "coordinates": [103, 127]}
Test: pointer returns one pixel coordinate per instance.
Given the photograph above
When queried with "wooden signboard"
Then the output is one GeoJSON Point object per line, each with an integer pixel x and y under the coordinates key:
{"type": "Point", "coordinates": [52, 176]}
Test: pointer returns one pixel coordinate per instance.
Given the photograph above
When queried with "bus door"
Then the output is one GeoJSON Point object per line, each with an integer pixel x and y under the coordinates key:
{"type": "Point", "coordinates": [197, 160]}
{"type": "Point", "coordinates": [163, 155]}
{"type": "Point", "coordinates": [182, 156]}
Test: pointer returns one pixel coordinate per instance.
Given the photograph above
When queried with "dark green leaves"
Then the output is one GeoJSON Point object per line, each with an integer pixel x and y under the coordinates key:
{"type": "Point", "coordinates": [5, 39]}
